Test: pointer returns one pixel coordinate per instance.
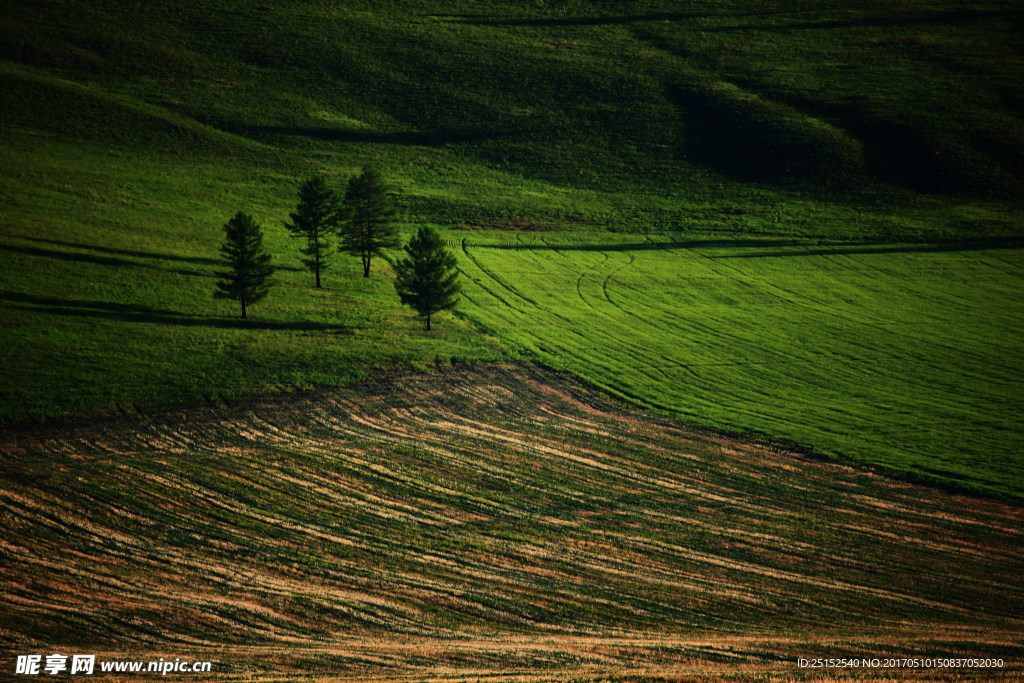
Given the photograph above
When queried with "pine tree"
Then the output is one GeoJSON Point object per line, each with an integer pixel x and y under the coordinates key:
{"type": "Point", "coordinates": [316, 219]}
{"type": "Point", "coordinates": [427, 278]}
{"type": "Point", "coordinates": [249, 278]}
{"type": "Point", "coordinates": [369, 218]}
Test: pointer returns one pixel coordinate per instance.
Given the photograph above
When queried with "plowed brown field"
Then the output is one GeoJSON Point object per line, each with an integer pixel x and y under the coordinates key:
{"type": "Point", "coordinates": [487, 523]}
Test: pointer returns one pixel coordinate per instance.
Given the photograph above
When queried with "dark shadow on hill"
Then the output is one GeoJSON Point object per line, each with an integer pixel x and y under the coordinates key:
{"type": "Point", "coordinates": [128, 252]}
{"type": "Point", "coordinates": [916, 153]}
{"type": "Point", "coordinates": [953, 17]}
{"type": "Point", "coordinates": [491, 20]}
{"type": "Point", "coordinates": [426, 138]}
{"type": "Point", "coordinates": [110, 310]}
{"type": "Point", "coordinates": [66, 256]}
{"type": "Point", "coordinates": [94, 259]}
{"type": "Point", "coordinates": [755, 139]}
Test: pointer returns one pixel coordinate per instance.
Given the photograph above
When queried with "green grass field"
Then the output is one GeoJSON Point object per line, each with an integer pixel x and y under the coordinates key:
{"type": "Point", "coordinates": [108, 304]}
{"type": "Point", "coordinates": [910, 357]}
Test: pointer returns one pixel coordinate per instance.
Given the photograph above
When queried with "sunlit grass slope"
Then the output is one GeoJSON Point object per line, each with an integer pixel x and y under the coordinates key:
{"type": "Point", "coordinates": [910, 357]}
{"type": "Point", "coordinates": [485, 522]}
{"type": "Point", "coordinates": [106, 295]}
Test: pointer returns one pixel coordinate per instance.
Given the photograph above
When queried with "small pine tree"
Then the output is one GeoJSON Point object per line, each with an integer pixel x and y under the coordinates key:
{"type": "Point", "coordinates": [369, 218]}
{"type": "Point", "coordinates": [427, 279]}
{"type": "Point", "coordinates": [316, 219]}
{"type": "Point", "coordinates": [249, 278]}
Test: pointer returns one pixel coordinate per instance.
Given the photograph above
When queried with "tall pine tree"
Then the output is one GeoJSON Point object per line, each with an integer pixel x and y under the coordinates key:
{"type": "Point", "coordinates": [316, 219]}
{"type": "Point", "coordinates": [426, 280]}
{"type": "Point", "coordinates": [248, 279]}
{"type": "Point", "coordinates": [369, 218]}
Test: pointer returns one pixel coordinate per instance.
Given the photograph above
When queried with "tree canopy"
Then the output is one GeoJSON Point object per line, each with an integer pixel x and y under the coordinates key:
{"type": "Point", "coordinates": [427, 278]}
{"type": "Point", "coordinates": [316, 219]}
{"type": "Point", "coordinates": [369, 218]}
{"type": "Point", "coordinates": [249, 276]}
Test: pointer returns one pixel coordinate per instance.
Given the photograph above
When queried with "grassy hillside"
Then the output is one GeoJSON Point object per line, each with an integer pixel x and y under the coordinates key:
{"type": "Point", "coordinates": [486, 523]}
{"type": "Point", "coordinates": [906, 356]}
{"type": "Point", "coordinates": [108, 304]}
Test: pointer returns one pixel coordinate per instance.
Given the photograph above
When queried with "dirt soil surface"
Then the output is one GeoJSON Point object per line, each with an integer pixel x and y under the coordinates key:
{"type": "Point", "coordinates": [492, 523]}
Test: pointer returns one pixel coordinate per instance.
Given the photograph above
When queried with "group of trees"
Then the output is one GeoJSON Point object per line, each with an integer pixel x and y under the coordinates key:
{"type": "Point", "coordinates": [363, 224]}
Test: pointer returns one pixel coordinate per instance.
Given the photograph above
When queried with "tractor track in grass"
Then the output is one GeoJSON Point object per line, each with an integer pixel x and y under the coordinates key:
{"type": "Point", "coordinates": [641, 355]}
{"type": "Point", "coordinates": [497, 280]}
{"type": "Point", "coordinates": [570, 325]}
{"type": "Point", "coordinates": [821, 308]}
{"type": "Point", "coordinates": [662, 312]}
{"type": "Point", "coordinates": [465, 250]}
{"type": "Point", "coordinates": [492, 521]}
{"type": "Point", "coordinates": [492, 277]}
{"type": "Point", "coordinates": [666, 311]}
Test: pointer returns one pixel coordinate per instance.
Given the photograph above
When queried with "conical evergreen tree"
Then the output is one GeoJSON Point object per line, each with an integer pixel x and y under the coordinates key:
{"type": "Point", "coordinates": [427, 279]}
{"type": "Point", "coordinates": [248, 279]}
{"type": "Point", "coordinates": [316, 219]}
{"type": "Point", "coordinates": [369, 218]}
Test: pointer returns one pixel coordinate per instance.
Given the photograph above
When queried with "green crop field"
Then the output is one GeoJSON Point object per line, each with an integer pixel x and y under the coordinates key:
{"type": "Point", "coordinates": [910, 357]}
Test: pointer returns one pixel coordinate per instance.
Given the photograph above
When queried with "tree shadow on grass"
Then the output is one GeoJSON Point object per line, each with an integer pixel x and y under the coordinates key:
{"type": "Point", "coordinates": [643, 246]}
{"type": "Point", "coordinates": [198, 260]}
{"type": "Point", "coordinates": [110, 310]}
{"type": "Point", "coordinates": [953, 17]}
{"type": "Point", "coordinates": [158, 256]}
{"type": "Point", "coordinates": [981, 244]}
{"type": "Point", "coordinates": [105, 257]}
{"type": "Point", "coordinates": [99, 260]}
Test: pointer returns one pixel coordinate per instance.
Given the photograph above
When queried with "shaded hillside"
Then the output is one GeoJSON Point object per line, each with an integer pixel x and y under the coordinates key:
{"type": "Point", "coordinates": [492, 504]}
{"type": "Point", "coordinates": [645, 112]}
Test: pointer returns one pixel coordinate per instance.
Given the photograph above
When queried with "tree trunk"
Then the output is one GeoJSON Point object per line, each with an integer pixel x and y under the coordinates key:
{"type": "Point", "coordinates": [366, 266]}
{"type": "Point", "coordinates": [317, 271]}
{"type": "Point", "coordinates": [243, 309]}
{"type": "Point", "coordinates": [428, 321]}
